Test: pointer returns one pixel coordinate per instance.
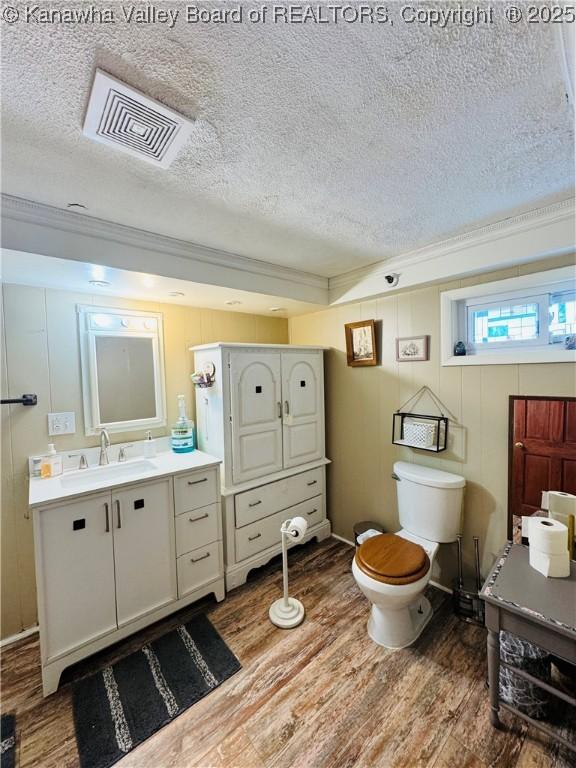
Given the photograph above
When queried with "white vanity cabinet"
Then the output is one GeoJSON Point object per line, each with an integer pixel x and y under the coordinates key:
{"type": "Point", "coordinates": [264, 417]}
{"type": "Point", "coordinates": [110, 562]}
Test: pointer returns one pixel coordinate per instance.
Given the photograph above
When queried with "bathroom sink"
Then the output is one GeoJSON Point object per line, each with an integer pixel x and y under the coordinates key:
{"type": "Point", "coordinates": [112, 473]}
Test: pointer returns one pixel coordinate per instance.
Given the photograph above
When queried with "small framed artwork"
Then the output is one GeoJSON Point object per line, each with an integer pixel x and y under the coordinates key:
{"type": "Point", "coordinates": [361, 343]}
{"type": "Point", "coordinates": [413, 348]}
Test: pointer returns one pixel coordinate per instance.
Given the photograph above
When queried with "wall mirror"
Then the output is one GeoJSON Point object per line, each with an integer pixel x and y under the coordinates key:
{"type": "Point", "coordinates": [122, 362]}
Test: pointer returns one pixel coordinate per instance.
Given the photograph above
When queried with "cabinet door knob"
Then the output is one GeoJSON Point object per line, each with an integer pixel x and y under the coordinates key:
{"type": "Point", "coordinates": [255, 503]}
{"type": "Point", "coordinates": [107, 510]}
{"type": "Point", "coordinates": [286, 407]}
{"type": "Point", "coordinates": [312, 482]}
{"type": "Point", "coordinates": [518, 445]}
{"type": "Point", "coordinates": [311, 512]}
{"type": "Point", "coordinates": [279, 404]}
{"type": "Point", "coordinates": [118, 515]}
{"type": "Point", "coordinates": [195, 482]}
{"type": "Point", "coordinates": [253, 538]}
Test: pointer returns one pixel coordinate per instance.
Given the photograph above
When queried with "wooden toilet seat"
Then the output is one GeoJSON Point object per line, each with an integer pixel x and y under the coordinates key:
{"type": "Point", "coordinates": [392, 560]}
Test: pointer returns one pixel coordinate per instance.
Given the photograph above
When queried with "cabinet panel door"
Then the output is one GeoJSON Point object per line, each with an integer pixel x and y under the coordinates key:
{"type": "Point", "coordinates": [144, 549]}
{"type": "Point", "coordinates": [255, 384]}
{"type": "Point", "coordinates": [303, 394]}
{"type": "Point", "coordinates": [76, 574]}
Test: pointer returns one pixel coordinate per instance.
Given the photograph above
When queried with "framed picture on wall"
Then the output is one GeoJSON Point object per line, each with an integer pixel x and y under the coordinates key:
{"type": "Point", "coordinates": [361, 343]}
{"type": "Point", "coordinates": [413, 348]}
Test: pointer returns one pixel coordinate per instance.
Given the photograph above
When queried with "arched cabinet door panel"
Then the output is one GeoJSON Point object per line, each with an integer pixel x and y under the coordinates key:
{"type": "Point", "coordinates": [256, 426]}
{"type": "Point", "coordinates": [303, 407]}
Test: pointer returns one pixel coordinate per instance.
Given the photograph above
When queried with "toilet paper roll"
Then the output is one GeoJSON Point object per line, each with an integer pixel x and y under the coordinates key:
{"type": "Point", "coordinates": [548, 536]}
{"type": "Point", "coordinates": [297, 528]}
{"type": "Point", "coordinates": [563, 503]}
{"type": "Point", "coordinates": [551, 566]}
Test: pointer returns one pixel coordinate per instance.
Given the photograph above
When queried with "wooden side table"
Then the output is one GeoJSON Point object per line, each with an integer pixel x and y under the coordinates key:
{"type": "Point", "coordinates": [525, 603]}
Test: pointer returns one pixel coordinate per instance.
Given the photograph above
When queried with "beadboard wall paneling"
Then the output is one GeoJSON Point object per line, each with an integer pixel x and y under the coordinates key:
{"type": "Point", "coordinates": [360, 403]}
{"type": "Point", "coordinates": [40, 353]}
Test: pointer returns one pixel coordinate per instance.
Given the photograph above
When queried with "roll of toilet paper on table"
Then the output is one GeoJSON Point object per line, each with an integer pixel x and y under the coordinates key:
{"type": "Point", "coordinates": [551, 566]}
{"type": "Point", "coordinates": [548, 536]}
{"type": "Point", "coordinates": [297, 527]}
{"type": "Point", "coordinates": [560, 502]}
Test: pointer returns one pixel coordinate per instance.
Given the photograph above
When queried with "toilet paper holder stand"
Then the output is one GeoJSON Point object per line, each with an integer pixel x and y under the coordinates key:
{"type": "Point", "coordinates": [288, 612]}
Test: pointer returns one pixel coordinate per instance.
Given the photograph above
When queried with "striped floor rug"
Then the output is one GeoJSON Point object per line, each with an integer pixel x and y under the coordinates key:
{"type": "Point", "coordinates": [120, 706]}
{"type": "Point", "coordinates": [7, 741]}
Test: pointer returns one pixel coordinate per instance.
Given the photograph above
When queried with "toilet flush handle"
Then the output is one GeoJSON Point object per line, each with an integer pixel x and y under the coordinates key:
{"type": "Point", "coordinates": [394, 476]}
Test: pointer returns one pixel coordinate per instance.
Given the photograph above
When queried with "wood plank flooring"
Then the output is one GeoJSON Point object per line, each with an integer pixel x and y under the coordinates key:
{"type": "Point", "coordinates": [321, 695]}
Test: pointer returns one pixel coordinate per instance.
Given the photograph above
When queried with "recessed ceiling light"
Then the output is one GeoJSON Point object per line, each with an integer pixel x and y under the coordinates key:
{"type": "Point", "coordinates": [277, 309]}
{"type": "Point", "coordinates": [148, 281]}
{"type": "Point", "coordinates": [77, 206]}
{"type": "Point", "coordinates": [176, 293]}
{"type": "Point", "coordinates": [232, 302]}
{"type": "Point", "coordinates": [100, 283]}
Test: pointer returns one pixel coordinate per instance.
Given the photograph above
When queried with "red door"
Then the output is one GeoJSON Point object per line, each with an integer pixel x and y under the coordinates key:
{"type": "Point", "coordinates": [542, 451]}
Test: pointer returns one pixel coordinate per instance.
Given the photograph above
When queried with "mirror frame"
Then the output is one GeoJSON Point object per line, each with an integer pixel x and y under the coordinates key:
{"type": "Point", "coordinates": [89, 366]}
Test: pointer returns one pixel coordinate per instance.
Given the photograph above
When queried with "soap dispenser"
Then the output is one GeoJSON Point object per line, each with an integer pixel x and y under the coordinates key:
{"type": "Point", "coordinates": [51, 465]}
{"type": "Point", "coordinates": [149, 446]}
{"type": "Point", "coordinates": [183, 431]}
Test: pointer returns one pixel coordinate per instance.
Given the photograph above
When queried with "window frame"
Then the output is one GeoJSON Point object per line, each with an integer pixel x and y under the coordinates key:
{"type": "Point", "coordinates": [453, 319]}
{"type": "Point", "coordinates": [474, 305]}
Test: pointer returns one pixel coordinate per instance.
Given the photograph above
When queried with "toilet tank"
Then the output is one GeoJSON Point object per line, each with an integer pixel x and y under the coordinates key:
{"type": "Point", "coordinates": [429, 501]}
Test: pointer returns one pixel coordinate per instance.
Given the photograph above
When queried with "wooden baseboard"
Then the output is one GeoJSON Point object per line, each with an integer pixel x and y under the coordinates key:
{"type": "Point", "coordinates": [343, 540]}
{"type": "Point", "coordinates": [19, 636]}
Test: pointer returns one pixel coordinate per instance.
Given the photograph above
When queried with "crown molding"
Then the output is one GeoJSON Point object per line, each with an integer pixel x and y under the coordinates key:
{"type": "Point", "coordinates": [533, 235]}
{"type": "Point", "coordinates": [39, 228]}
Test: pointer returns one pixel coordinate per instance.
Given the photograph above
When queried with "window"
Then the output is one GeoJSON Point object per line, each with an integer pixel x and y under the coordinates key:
{"type": "Point", "coordinates": [562, 315]}
{"type": "Point", "coordinates": [122, 369]}
{"type": "Point", "coordinates": [521, 319]}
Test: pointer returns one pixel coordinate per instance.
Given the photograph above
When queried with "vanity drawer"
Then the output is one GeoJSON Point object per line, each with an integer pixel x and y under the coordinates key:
{"type": "Point", "coordinates": [195, 490]}
{"type": "Point", "coordinates": [199, 567]}
{"type": "Point", "coordinates": [266, 500]}
{"type": "Point", "coordinates": [265, 533]}
{"type": "Point", "coordinates": [197, 528]}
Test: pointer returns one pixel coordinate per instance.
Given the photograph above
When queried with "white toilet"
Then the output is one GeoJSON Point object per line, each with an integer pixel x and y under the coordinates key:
{"type": "Point", "coordinates": [393, 569]}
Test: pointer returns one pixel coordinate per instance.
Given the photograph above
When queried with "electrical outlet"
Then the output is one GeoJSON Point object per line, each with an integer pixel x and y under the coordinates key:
{"type": "Point", "coordinates": [62, 423]}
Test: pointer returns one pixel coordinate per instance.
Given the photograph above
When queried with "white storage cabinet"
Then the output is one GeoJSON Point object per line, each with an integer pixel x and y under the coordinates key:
{"type": "Point", "coordinates": [264, 417]}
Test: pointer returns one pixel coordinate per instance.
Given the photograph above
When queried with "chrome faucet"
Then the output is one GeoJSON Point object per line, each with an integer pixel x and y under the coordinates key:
{"type": "Point", "coordinates": [104, 445]}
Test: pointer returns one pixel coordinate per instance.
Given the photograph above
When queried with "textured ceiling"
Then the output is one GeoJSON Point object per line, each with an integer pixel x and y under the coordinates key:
{"type": "Point", "coordinates": [320, 147]}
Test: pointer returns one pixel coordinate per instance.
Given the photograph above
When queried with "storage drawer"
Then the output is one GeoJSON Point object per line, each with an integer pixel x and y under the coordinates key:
{"type": "Point", "coordinates": [265, 533]}
{"type": "Point", "coordinates": [198, 567]}
{"type": "Point", "coordinates": [195, 490]}
{"type": "Point", "coordinates": [197, 528]}
{"type": "Point", "coordinates": [268, 499]}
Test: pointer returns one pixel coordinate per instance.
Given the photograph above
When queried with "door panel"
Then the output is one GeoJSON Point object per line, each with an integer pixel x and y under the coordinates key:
{"type": "Point", "coordinates": [77, 573]}
{"type": "Point", "coordinates": [255, 384]}
{"type": "Point", "coordinates": [542, 452]}
{"type": "Point", "coordinates": [144, 549]}
{"type": "Point", "coordinates": [570, 431]}
{"type": "Point", "coordinates": [302, 392]}
{"type": "Point", "coordinates": [537, 476]}
{"type": "Point", "coordinates": [569, 476]}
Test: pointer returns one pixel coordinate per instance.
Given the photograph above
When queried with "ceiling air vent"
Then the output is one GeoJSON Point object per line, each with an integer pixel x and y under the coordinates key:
{"type": "Point", "coordinates": [121, 117]}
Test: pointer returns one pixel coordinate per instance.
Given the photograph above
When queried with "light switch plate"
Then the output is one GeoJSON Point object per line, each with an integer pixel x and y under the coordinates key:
{"type": "Point", "coordinates": [62, 423]}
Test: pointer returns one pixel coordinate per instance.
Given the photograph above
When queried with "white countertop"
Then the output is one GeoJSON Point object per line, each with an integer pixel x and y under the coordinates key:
{"type": "Point", "coordinates": [77, 483]}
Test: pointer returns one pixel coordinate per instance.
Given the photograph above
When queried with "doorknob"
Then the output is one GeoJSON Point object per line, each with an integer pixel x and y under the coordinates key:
{"type": "Point", "coordinates": [518, 445]}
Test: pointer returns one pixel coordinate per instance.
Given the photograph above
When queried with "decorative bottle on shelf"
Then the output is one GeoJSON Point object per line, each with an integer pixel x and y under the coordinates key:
{"type": "Point", "coordinates": [183, 431]}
